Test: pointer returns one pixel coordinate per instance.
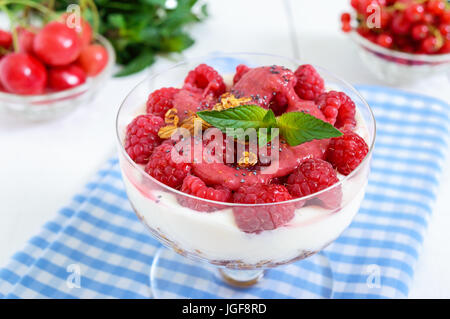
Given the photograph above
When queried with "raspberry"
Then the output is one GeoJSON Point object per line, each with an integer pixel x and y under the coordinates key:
{"type": "Point", "coordinates": [310, 84]}
{"type": "Point", "coordinates": [162, 166]}
{"type": "Point", "coordinates": [338, 108]}
{"type": "Point", "coordinates": [204, 79]}
{"type": "Point", "coordinates": [314, 175]}
{"type": "Point", "coordinates": [142, 137]}
{"type": "Point", "coordinates": [254, 219]}
{"type": "Point", "coordinates": [160, 101]}
{"type": "Point", "coordinates": [346, 152]}
{"type": "Point", "coordinates": [311, 176]}
{"type": "Point", "coordinates": [241, 69]}
{"type": "Point", "coordinates": [193, 185]}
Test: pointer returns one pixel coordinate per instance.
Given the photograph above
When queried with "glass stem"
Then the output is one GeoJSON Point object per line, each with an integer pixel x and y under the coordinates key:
{"type": "Point", "coordinates": [241, 278]}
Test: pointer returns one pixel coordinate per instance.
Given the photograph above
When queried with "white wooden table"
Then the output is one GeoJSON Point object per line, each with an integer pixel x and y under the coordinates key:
{"type": "Point", "coordinates": [42, 165]}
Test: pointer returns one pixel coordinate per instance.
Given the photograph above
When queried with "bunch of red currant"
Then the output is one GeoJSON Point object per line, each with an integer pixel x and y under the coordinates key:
{"type": "Point", "coordinates": [56, 57]}
{"type": "Point", "coordinates": [412, 26]}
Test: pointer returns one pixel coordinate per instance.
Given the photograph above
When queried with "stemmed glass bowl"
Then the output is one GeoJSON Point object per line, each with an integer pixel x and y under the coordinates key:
{"type": "Point", "coordinates": [397, 67]}
{"type": "Point", "coordinates": [212, 238]}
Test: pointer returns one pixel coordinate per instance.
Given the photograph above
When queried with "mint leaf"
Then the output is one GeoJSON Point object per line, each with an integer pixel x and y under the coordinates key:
{"type": "Point", "coordinates": [243, 117]}
{"type": "Point", "coordinates": [265, 136]}
{"type": "Point", "coordinates": [298, 128]}
{"type": "Point", "coordinates": [269, 119]}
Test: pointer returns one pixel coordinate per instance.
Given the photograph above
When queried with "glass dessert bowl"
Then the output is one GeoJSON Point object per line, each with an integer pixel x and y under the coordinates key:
{"type": "Point", "coordinates": [246, 218]}
{"type": "Point", "coordinates": [54, 104]}
{"type": "Point", "coordinates": [397, 67]}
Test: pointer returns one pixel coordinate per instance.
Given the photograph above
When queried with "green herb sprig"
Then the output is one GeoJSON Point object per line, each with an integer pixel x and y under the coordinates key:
{"type": "Point", "coordinates": [141, 29]}
{"type": "Point", "coordinates": [295, 127]}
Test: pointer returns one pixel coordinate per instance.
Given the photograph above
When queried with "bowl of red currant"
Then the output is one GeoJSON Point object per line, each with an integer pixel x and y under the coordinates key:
{"type": "Point", "coordinates": [48, 70]}
{"type": "Point", "coordinates": [401, 41]}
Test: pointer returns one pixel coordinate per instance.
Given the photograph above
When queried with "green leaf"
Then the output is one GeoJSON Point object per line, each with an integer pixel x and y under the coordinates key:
{"type": "Point", "coordinates": [139, 63]}
{"type": "Point", "coordinates": [265, 137]}
{"type": "Point", "coordinates": [176, 43]}
{"type": "Point", "coordinates": [244, 117]}
{"type": "Point", "coordinates": [269, 119]}
{"type": "Point", "coordinates": [298, 128]}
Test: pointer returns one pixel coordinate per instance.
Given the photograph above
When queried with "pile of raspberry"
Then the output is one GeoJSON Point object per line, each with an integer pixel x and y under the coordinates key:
{"type": "Point", "coordinates": [203, 86]}
{"type": "Point", "coordinates": [411, 26]}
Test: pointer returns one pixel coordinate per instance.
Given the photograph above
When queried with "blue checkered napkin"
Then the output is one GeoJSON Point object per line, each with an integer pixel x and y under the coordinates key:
{"type": "Point", "coordinates": [374, 257]}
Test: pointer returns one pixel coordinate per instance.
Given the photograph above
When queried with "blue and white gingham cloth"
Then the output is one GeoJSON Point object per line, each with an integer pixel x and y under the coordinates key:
{"type": "Point", "coordinates": [374, 257]}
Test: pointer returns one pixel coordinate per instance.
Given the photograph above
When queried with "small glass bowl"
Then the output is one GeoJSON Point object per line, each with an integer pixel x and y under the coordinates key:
{"type": "Point", "coordinates": [212, 236]}
{"type": "Point", "coordinates": [52, 105]}
{"type": "Point", "coordinates": [397, 67]}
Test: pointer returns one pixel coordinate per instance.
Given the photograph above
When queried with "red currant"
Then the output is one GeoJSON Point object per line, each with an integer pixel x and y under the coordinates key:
{"type": "Point", "coordinates": [400, 24]}
{"type": "Point", "coordinates": [57, 44]}
{"type": "Point", "coordinates": [436, 7]}
{"type": "Point", "coordinates": [355, 4]}
{"type": "Point", "coordinates": [385, 40]}
{"type": "Point", "coordinates": [20, 73]}
{"type": "Point", "coordinates": [415, 12]}
{"type": "Point", "coordinates": [445, 18]}
{"type": "Point", "coordinates": [445, 48]}
{"type": "Point", "coordinates": [420, 32]}
{"type": "Point", "coordinates": [346, 17]}
{"type": "Point", "coordinates": [429, 45]}
{"type": "Point", "coordinates": [445, 30]}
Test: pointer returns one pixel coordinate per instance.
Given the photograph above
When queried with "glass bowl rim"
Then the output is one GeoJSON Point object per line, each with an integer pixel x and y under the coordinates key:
{"type": "Point", "coordinates": [430, 58]}
{"type": "Point", "coordinates": [53, 97]}
{"type": "Point", "coordinates": [227, 204]}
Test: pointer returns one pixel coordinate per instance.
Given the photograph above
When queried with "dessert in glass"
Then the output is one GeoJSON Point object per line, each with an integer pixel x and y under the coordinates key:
{"type": "Point", "coordinates": [251, 210]}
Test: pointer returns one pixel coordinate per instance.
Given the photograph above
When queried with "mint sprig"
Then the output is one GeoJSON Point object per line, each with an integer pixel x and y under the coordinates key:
{"type": "Point", "coordinates": [295, 127]}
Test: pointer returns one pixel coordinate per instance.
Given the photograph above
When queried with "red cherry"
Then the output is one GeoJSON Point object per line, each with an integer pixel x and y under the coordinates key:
{"type": "Point", "coordinates": [57, 44]}
{"type": "Point", "coordinates": [26, 38]}
{"type": "Point", "coordinates": [65, 77]}
{"type": "Point", "coordinates": [20, 73]}
{"type": "Point", "coordinates": [400, 25]}
{"type": "Point", "coordinates": [385, 40]}
{"type": "Point", "coordinates": [5, 39]}
{"type": "Point", "coordinates": [415, 12]}
{"type": "Point", "coordinates": [420, 31]}
{"type": "Point", "coordinates": [84, 30]}
{"type": "Point", "coordinates": [436, 7]}
{"type": "Point", "coordinates": [93, 59]}
{"type": "Point", "coordinates": [429, 45]}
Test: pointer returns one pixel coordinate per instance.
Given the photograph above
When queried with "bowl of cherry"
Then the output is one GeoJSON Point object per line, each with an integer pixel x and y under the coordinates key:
{"type": "Point", "coordinates": [49, 70]}
{"type": "Point", "coordinates": [401, 41]}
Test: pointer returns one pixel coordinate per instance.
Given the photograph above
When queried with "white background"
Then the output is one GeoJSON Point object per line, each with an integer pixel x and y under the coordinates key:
{"type": "Point", "coordinates": [42, 165]}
